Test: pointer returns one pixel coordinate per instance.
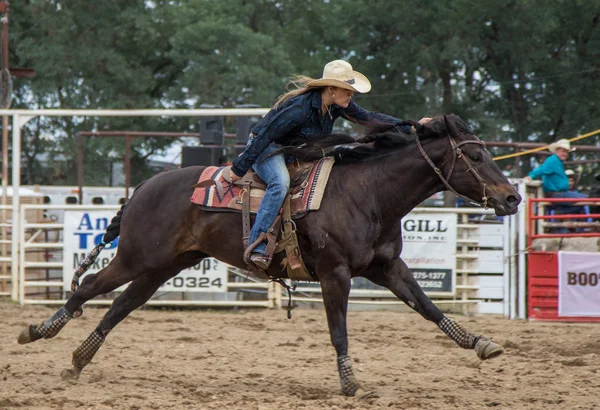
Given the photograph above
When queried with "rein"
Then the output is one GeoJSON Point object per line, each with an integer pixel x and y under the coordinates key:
{"type": "Point", "coordinates": [470, 168]}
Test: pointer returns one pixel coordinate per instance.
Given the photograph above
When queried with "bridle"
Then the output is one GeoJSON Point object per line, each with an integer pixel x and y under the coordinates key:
{"type": "Point", "coordinates": [469, 164]}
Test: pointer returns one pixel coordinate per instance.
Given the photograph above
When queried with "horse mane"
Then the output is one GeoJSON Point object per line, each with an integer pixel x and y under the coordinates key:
{"type": "Point", "coordinates": [380, 139]}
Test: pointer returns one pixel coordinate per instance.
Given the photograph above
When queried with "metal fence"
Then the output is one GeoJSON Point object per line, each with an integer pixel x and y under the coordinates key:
{"type": "Point", "coordinates": [41, 280]}
{"type": "Point", "coordinates": [487, 273]}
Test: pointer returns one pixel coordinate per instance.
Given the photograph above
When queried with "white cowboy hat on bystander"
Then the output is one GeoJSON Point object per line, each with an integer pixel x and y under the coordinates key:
{"type": "Point", "coordinates": [562, 143]}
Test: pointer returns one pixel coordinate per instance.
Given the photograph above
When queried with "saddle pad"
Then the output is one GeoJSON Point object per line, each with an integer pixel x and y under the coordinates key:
{"type": "Point", "coordinates": [308, 196]}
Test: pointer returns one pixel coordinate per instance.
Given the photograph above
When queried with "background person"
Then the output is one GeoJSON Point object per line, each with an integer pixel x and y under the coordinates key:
{"type": "Point", "coordinates": [555, 181]}
{"type": "Point", "coordinates": [573, 178]}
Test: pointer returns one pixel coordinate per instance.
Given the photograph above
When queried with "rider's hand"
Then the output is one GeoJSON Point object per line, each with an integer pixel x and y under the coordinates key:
{"type": "Point", "coordinates": [424, 120]}
{"type": "Point", "coordinates": [234, 177]}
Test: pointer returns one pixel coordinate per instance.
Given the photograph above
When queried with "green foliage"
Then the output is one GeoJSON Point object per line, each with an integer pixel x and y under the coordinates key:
{"type": "Point", "coordinates": [516, 70]}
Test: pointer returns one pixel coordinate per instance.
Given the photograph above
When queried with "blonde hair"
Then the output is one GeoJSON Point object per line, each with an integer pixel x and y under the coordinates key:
{"type": "Point", "coordinates": [298, 81]}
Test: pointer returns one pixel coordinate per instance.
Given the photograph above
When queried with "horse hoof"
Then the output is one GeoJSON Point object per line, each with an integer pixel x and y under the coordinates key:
{"type": "Point", "coordinates": [70, 374]}
{"type": "Point", "coordinates": [487, 348]}
{"type": "Point", "coordinates": [362, 394]}
{"type": "Point", "coordinates": [28, 335]}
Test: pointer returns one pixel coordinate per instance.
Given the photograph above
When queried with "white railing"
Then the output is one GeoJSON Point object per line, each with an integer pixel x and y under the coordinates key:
{"type": "Point", "coordinates": [21, 117]}
{"type": "Point", "coordinates": [482, 286]}
{"type": "Point", "coordinates": [514, 284]}
{"type": "Point", "coordinates": [5, 259]}
{"type": "Point", "coordinates": [30, 240]}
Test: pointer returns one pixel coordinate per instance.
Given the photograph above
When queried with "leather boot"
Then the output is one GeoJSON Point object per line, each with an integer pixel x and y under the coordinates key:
{"type": "Point", "coordinates": [260, 260]}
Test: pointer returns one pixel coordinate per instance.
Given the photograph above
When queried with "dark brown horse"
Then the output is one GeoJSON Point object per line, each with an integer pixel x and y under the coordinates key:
{"type": "Point", "coordinates": [355, 233]}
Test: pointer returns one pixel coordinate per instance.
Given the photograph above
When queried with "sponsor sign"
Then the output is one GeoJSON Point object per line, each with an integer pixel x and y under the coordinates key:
{"type": "Point", "coordinates": [578, 284]}
{"type": "Point", "coordinates": [84, 230]}
{"type": "Point", "coordinates": [429, 250]}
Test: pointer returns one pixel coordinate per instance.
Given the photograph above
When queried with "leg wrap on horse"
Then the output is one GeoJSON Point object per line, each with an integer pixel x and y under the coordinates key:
{"type": "Point", "coordinates": [456, 332]}
{"type": "Point", "coordinates": [50, 327]}
{"type": "Point", "coordinates": [84, 353]}
{"type": "Point", "coordinates": [347, 379]}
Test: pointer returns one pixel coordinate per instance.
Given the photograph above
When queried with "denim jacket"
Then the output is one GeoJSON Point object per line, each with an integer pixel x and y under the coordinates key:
{"type": "Point", "coordinates": [301, 116]}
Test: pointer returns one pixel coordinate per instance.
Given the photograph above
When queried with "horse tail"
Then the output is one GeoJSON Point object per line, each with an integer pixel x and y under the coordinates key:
{"type": "Point", "coordinates": [112, 232]}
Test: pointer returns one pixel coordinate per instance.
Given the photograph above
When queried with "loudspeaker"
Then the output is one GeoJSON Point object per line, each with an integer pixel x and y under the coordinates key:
{"type": "Point", "coordinates": [212, 128]}
{"type": "Point", "coordinates": [206, 156]}
{"type": "Point", "coordinates": [243, 124]}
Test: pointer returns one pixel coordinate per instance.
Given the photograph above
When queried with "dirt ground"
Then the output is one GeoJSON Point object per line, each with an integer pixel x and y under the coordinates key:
{"type": "Point", "coordinates": [260, 360]}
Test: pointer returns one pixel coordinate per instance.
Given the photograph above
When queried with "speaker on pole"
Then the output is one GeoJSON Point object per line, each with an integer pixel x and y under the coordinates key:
{"type": "Point", "coordinates": [212, 129]}
{"type": "Point", "coordinates": [243, 124]}
{"type": "Point", "coordinates": [204, 155]}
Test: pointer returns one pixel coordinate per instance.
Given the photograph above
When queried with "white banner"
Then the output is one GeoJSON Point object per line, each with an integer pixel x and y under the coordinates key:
{"type": "Point", "coordinates": [84, 230]}
{"type": "Point", "coordinates": [429, 250]}
{"type": "Point", "coordinates": [578, 284]}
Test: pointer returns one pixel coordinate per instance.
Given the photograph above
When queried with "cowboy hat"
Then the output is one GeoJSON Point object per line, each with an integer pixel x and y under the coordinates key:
{"type": "Point", "coordinates": [562, 143]}
{"type": "Point", "coordinates": [339, 73]}
{"type": "Point", "coordinates": [570, 173]}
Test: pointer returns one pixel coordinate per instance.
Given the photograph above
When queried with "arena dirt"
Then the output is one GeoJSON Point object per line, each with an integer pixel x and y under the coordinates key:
{"type": "Point", "coordinates": [259, 360]}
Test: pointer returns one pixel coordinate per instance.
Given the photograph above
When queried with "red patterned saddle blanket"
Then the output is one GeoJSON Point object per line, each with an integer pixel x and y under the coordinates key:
{"type": "Point", "coordinates": [308, 182]}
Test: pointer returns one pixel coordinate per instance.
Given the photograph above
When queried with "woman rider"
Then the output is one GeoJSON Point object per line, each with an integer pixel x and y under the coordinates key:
{"type": "Point", "coordinates": [309, 110]}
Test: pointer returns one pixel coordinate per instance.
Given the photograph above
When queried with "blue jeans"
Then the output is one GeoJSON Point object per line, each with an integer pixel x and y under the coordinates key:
{"type": "Point", "coordinates": [566, 207]}
{"type": "Point", "coordinates": [274, 173]}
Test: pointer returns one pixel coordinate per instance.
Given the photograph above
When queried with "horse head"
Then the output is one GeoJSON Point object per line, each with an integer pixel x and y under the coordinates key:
{"type": "Point", "coordinates": [468, 168]}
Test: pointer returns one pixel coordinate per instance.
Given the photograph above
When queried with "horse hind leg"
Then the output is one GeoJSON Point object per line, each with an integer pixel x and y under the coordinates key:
{"type": "Point", "coordinates": [398, 278]}
{"type": "Point", "coordinates": [136, 294]}
{"type": "Point", "coordinates": [106, 280]}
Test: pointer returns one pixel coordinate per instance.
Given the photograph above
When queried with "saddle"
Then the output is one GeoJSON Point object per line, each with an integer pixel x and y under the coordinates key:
{"type": "Point", "coordinates": [215, 192]}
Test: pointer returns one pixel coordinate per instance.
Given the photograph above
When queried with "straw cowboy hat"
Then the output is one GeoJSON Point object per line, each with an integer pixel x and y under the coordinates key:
{"type": "Point", "coordinates": [562, 143]}
{"type": "Point", "coordinates": [339, 73]}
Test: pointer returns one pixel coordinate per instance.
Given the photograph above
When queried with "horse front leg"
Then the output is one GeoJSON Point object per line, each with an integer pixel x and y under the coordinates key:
{"type": "Point", "coordinates": [335, 286]}
{"type": "Point", "coordinates": [398, 278]}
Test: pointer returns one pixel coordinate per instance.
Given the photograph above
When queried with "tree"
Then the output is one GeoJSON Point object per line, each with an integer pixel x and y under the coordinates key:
{"type": "Point", "coordinates": [515, 70]}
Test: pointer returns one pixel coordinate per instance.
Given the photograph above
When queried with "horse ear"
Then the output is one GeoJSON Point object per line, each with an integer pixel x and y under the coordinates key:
{"type": "Point", "coordinates": [452, 130]}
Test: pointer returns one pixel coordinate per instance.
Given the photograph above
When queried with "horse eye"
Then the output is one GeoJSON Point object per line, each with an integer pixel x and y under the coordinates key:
{"type": "Point", "coordinates": [476, 158]}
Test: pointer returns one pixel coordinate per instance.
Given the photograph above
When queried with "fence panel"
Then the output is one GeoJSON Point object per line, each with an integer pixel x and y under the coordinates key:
{"type": "Point", "coordinates": [485, 251]}
{"type": "Point", "coordinates": [46, 281]}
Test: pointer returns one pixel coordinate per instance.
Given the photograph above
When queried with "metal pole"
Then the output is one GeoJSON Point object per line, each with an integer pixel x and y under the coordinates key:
{"type": "Point", "coordinates": [508, 256]}
{"type": "Point", "coordinates": [522, 247]}
{"type": "Point", "coordinates": [3, 234]}
{"type": "Point", "coordinates": [80, 168]}
{"type": "Point", "coordinates": [5, 81]}
{"type": "Point", "coordinates": [514, 266]}
{"type": "Point", "coordinates": [127, 165]}
{"type": "Point", "coordinates": [16, 184]}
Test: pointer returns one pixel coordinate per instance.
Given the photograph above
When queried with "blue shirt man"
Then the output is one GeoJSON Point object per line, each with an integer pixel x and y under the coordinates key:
{"type": "Point", "coordinates": [555, 181]}
{"type": "Point", "coordinates": [552, 173]}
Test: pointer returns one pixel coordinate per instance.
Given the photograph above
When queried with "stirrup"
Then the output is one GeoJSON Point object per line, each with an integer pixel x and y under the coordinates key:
{"type": "Point", "coordinates": [260, 260]}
